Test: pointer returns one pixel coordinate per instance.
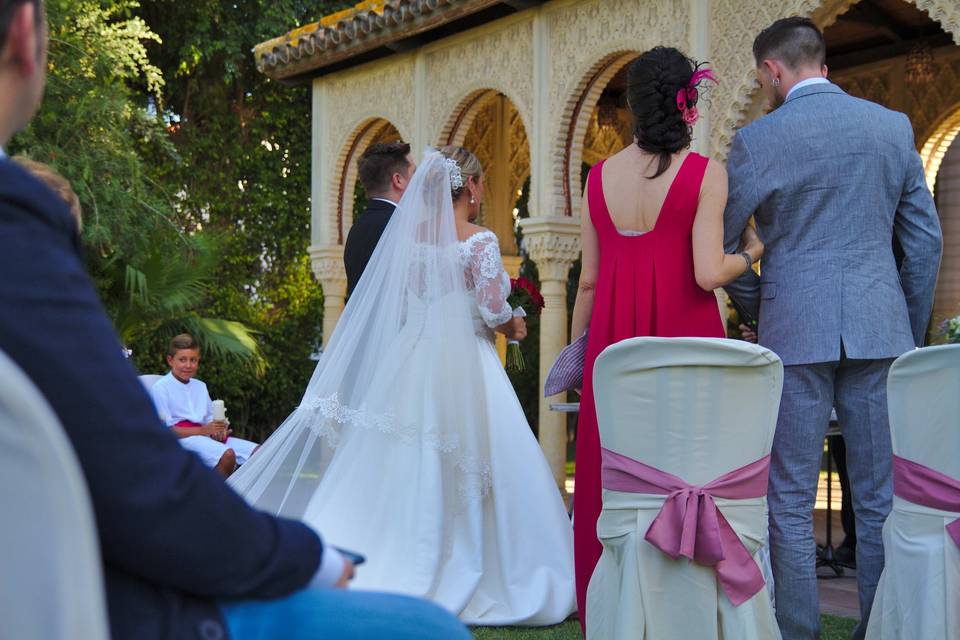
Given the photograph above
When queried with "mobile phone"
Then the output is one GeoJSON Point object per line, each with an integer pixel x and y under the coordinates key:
{"type": "Point", "coordinates": [355, 558]}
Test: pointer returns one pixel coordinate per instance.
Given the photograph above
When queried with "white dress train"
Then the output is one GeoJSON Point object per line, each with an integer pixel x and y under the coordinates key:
{"type": "Point", "coordinates": [502, 559]}
{"type": "Point", "coordinates": [410, 446]}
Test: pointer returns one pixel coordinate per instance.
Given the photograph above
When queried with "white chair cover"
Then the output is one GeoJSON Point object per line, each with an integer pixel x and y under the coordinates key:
{"type": "Point", "coordinates": [148, 380]}
{"type": "Point", "coordinates": [696, 408]}
{"type": "Point", "coordinates": [51, 585]}
{"type": "Point", "coordinates": [919, 591]}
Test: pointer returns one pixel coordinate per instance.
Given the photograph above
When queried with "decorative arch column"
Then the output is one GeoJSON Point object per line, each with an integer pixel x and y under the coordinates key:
{"type": "Point", "coordinates": [328, 268]}
{"type": "Point", "coordinates": [488, 123]}
{"type": "Point", "coordinates": [553, 242]}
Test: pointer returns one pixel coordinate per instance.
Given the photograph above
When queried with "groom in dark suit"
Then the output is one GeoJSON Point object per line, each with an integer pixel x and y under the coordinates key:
{"type": "Point", "coordinates": [184, 557]}
{"type": "Point", "coordinates": [385, 170]}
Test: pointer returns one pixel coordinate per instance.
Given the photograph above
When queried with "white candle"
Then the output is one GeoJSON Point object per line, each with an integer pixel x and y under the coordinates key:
{"type": "Point", "coordinates": [219, 411]}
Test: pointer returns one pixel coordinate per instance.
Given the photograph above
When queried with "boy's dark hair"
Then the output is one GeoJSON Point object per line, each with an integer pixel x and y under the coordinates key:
{"type": "Point", "coordinates": [796, 42]}
{"type": "Point", "coordinates": [378, 164]}
{"type": "Point", "coordinates": [7, 9]}
{"type": "Point", "coordinates": [182, 341]}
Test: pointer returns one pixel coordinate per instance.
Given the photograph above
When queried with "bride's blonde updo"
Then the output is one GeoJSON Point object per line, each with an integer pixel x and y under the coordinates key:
{"type": "Point", "coordinates": [468, 163]}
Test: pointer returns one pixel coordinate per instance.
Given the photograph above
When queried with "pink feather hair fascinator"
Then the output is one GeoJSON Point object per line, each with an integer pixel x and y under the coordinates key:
{"type": "Point", "coordinates": [688, 95]}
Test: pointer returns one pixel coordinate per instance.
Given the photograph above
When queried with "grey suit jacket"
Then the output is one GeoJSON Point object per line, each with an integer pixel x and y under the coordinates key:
{"type": "Point", "coordinates": [831, 179]}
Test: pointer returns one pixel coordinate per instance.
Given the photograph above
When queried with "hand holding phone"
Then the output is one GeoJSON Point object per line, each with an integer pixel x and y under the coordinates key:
{"type": "Point", "coordinates": [355, 558]}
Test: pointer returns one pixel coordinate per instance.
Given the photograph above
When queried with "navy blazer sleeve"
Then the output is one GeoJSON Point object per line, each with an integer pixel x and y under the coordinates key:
{"type": "Point", "coordinates": [162, 516]}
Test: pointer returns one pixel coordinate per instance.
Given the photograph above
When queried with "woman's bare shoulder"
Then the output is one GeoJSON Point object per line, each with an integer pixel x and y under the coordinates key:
{"type": "Point", "coordinates": [715, 174]}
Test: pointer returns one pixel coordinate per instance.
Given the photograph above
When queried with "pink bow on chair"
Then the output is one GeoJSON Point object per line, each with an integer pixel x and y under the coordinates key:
{"type": "Point", "coordinates": [927, 487]}
{"type": "Point", "coordinates": [690, 524]}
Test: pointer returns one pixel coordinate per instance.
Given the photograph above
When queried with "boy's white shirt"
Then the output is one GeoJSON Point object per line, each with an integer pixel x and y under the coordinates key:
{"type": "Point", "coordinates": [176, 401]}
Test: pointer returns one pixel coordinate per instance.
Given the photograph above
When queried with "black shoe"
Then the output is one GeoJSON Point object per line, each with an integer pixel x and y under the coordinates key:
{"type": "Point", "coordinates": [846, 556]}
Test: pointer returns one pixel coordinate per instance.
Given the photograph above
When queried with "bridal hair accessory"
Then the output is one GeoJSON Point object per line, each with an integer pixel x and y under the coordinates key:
{"type": "Point", "coordinates": [687, 96]}
{"type": "Point", "coordinates": [456, 178]}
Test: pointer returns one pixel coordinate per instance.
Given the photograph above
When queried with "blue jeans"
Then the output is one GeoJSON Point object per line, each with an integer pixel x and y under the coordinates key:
{"type": "Point", "coordinates": [338, 614]}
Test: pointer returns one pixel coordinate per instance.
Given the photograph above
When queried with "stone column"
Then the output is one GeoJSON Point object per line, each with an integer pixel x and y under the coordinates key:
{"type": "Point", "coordinates": [553, 242]}
{"type": "Point", "coordinates": [699, 48]}
{"type": "Point", "coordinates": [328, 268]}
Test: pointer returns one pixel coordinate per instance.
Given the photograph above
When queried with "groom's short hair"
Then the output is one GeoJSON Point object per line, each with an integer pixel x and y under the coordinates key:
{"type": "Point", "coordinates": [796, 42]}
{"type": "Point", "coordinates": [378, 164]}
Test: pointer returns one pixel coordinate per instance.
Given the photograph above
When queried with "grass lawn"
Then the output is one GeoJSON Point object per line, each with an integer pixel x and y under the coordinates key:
{"type": "Point", "coordinates": [834, 628]}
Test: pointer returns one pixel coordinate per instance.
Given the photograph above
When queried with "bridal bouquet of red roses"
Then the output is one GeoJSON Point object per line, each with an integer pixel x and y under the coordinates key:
{"type": "Point", "coordinates": [525, 300]}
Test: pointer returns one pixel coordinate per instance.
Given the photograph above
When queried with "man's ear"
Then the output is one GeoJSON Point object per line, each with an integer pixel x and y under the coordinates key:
{"type": "Point", "coordinates": [23, 44]}
{"type": "Point", "coordinates": [772, 67]}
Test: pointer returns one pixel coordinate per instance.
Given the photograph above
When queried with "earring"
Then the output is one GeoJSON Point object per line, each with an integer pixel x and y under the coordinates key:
{"type": "Point", "coordinates": [776, 82]}
{"type": "Point", "coordinates": [472, 201]}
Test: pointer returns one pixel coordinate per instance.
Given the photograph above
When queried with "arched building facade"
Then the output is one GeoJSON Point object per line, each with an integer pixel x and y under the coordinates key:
{"type": "Point", "coordinates": [535, 87]}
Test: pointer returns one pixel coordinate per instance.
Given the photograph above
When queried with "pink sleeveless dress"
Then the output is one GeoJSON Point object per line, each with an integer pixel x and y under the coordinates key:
{"type": "Point", "coordinates": [645, 287]}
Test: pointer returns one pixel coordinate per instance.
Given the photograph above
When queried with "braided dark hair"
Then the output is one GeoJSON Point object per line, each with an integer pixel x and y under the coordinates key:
{"type": "Point", "coordinates": [653, 81]}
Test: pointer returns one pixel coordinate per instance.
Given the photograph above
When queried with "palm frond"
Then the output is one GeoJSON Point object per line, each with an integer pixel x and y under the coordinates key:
{"type": "Point", "coordinates": [135, 284]}
{"type": "Point", "coordinates": [226, 339]}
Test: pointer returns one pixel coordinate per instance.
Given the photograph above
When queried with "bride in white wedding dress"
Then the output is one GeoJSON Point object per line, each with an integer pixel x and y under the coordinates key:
{"type": "Point", "coordinates": [410, 446]}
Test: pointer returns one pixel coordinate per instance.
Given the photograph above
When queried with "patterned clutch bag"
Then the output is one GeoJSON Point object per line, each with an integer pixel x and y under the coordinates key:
{"type": "Point", "coordinates": [567, 372]}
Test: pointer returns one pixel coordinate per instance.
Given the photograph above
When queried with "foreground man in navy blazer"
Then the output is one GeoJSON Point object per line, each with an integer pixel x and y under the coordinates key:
{"type": "Point", "coordinates": [184, 556]}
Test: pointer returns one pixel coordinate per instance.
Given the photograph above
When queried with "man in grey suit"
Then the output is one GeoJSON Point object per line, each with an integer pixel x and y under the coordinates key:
{"type": "Point", "coordinates": [830, 180]}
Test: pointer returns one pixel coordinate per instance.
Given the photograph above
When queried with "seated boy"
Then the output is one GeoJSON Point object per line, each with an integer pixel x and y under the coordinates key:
{"type": "Point", "coordinates": [184, 405]}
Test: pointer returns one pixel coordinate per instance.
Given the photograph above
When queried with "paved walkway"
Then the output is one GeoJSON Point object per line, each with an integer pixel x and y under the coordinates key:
{"type": "Point", "coordinates": [838, 595]}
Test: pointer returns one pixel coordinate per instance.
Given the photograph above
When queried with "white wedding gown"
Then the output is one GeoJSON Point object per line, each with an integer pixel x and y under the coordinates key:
{"type": "Point", "coordinates": [410, 446]}
{"type": "Point", "coordinates": [503, 559]}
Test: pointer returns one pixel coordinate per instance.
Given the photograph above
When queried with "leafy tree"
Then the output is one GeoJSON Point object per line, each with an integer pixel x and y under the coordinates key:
{"type": "Point", "coordinates": [95, 129]}
{"type": "Point", "coordinates": [92, 131]}
{"type": "Point", "coordinates": [243, 172]}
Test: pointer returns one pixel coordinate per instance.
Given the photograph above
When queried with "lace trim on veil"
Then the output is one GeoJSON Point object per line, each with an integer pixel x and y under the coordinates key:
{"type": "Point", "coordinates": [475, 481]}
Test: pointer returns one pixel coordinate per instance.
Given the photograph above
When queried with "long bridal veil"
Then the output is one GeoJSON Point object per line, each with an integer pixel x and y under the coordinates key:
{"type": "Point", "coordinates": [402, 365]}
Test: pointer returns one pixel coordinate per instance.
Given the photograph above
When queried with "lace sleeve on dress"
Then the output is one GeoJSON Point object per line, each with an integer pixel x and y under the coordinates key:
{"type": "Point", "coordinates": [492, 285]}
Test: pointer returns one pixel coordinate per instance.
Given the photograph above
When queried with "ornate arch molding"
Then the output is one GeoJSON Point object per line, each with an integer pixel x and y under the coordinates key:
{"type": "Point", "coordinates": [568, 152]}
{"type": "Point", "coordinates": [361, 137]}
{"type": "Point", "coordinates": [458, 124]}
{"type": "Point", "coordinates": [739, 99]}
{"type": "Point", "coordinates": [937, 144]}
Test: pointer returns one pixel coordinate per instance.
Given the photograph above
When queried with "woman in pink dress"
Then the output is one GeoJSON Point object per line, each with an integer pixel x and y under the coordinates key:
{"type": "Point", "coordinates": [652, 238]}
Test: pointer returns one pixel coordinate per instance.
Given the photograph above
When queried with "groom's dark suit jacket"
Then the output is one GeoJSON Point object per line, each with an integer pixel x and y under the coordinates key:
{"type": "Point", "coordinates": [174, 538]}
{"type": "Point", "coordinates": [363, 239]}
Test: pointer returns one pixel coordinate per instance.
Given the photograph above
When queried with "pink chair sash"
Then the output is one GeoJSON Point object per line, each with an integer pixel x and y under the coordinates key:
{"type": "Point", "coordinates": [928, 488]}
{"type": "Point", "coordinates": [690, 524]}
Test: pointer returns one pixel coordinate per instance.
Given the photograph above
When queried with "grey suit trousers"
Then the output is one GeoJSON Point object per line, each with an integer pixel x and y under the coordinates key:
{"type": "Point", "coordinates": [857, 388]}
